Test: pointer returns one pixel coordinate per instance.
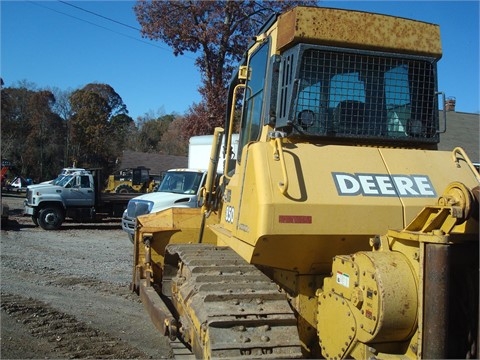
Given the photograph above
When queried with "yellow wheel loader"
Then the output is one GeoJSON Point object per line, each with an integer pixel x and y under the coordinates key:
{"type": "Point", "coordinates": [339, 231]}
{"type": "Point", "coordinates": [130, 181]}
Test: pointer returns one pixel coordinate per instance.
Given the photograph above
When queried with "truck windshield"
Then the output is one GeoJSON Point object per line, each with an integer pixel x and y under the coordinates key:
{"type": "Point", "coordinates": [65, 181]}
{"type": "Point", "coordinates": [181, 182]}
{"type": "Point", "coordinates": [57, 179]}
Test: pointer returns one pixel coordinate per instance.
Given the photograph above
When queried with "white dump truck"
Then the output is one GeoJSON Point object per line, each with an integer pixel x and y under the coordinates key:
{"type": "Point", "coordinates": [76, 195]}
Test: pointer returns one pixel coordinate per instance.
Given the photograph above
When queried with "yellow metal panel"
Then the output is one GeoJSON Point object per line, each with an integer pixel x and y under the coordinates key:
{"type": "Point", "coordinates": [306, 254]}
{"type": "Point", "coordinates": [312, 205]}
{"type": "Point", "coordinates": [170, 226]}
{"type": "Point", "coordinates": [439, 165]}
{"type": "Point", "coordinates": [313, 220]}
{"type": "Point", "coordinates": [360, 30]}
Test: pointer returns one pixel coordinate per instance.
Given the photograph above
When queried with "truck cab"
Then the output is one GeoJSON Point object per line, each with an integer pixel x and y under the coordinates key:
{"type": "Point", "coordinates": [179, 188]}
{"type": "Point", "coordinates": [48, 203]}
{"type": "Point", "coordinates": [63, 172]}
{"type": "Point", "coordinates": [78, 189]}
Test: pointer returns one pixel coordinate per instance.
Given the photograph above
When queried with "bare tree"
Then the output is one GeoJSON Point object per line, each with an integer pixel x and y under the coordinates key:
{"type": "Point", "coordinates": [63, 109]}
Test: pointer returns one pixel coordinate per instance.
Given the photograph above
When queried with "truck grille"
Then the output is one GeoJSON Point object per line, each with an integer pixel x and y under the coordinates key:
{"type": "Point", "coordinates": [29, 196]}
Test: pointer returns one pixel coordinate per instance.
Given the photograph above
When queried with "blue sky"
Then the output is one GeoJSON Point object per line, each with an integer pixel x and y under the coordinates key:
{"type": "Point", "coordinates": [53, 44]}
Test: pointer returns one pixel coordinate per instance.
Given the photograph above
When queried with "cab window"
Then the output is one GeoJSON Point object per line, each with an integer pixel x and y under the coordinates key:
{"type": "Point", "coordinates": [254, 93]}
{"type": "Point", "coordinates": [84, 182]}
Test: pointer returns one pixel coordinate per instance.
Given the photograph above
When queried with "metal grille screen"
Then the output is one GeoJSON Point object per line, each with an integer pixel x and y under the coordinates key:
{"type": "Point", "coordinates": [347, 94]}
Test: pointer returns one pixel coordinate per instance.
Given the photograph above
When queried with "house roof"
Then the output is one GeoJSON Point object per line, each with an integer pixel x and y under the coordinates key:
{"type": "Point", "coordinates": [463, 130]}
{"type": "Point", "coordinates": [157, 163]}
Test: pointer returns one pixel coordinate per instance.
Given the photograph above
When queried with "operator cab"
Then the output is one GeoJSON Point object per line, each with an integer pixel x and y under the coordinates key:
{"type": "Point", "coordinates": [338, 94]}
{"type": "Point", "coordinates": [343, 94]}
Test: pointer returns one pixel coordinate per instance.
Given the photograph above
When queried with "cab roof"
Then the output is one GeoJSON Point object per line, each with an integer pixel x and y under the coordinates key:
{"type": "Point", "coordinates": [358, 30]}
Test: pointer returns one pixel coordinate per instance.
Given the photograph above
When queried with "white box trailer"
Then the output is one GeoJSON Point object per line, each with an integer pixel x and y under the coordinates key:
{"type": "Point", "coordinates": [199, 149]}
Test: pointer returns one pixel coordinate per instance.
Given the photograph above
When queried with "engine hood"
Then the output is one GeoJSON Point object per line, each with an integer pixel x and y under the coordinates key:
{"type": "Point", "coordinates": [43, 186]}
{"type": "Point", "coordinates": [163, 200]}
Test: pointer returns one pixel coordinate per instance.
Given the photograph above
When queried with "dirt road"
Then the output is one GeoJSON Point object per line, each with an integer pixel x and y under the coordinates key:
{"type": "Point", "coordinates": [65, 293]}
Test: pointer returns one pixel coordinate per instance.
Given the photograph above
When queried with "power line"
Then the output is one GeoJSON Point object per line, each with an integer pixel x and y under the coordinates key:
{"type": "Point", "coordinates": [103, 27]}
{"type": "Point", "coordinates": [101, 16]}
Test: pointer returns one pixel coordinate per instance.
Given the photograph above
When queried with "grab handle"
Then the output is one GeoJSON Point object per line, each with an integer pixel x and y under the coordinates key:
{"type": "Point", "coordinates": [279, 156]}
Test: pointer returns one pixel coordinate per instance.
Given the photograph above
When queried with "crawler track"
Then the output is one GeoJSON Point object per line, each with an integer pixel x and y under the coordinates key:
{"type": "Point", "coordinates": [239, 311]}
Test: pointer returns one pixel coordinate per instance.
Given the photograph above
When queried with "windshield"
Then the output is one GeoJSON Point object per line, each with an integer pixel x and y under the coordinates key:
{"type": "Point", "coordinates": [181, 182]}
{"type": "Point", "coordinates": [57, 179]}
{"type": "Point", "coordinates": [65, 181]}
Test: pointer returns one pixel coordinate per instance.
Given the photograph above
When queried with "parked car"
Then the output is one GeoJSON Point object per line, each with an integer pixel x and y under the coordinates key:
{"type": "Point", "coordinates": [19, 184]}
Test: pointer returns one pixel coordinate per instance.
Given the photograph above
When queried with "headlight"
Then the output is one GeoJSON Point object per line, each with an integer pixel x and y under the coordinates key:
{"type": "Point", "coordinates": [138, 207]}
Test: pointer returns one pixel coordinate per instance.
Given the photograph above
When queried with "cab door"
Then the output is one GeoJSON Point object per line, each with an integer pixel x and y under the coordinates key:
{"type": "Point", "coordinates": [79, 192]}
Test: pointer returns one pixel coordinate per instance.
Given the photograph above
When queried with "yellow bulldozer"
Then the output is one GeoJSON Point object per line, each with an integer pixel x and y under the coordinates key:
{"type": "Point", "coordinates": [339, 231]}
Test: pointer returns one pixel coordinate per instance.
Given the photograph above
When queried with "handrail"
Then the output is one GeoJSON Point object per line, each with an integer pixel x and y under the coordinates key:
{"type": "Point", "coordinates": [278, 155]}
{"type": "Point", "coordinates": [212, 166]}
{"type": "Point", "coordinates": [228, 152]}
{"type": "Point", "coordinates": [461, 151]}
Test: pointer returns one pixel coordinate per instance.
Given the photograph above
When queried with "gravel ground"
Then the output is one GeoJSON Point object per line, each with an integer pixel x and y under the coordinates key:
{"type": "Point", "coordinates": [65, 293]}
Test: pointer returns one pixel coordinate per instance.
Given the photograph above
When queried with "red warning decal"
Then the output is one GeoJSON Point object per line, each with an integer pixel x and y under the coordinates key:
{"type": "Point", "coordinates": [295, 219]}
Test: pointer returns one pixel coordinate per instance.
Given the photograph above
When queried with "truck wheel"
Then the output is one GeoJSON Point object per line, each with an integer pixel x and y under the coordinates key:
{"type": "Point", "coordinates": [50, 218]}
{"type": "Point", "coordinates": [124, 189]}
{"type": "Point", "coordinates": [35, 220]}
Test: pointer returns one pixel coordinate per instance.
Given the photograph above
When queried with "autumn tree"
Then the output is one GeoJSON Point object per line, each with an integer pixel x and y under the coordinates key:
{"type": "Point", "coordinates": [45, 130]}
{"type": "Point", "coordinates": [124, 133]}
{"type": "Point", "coordinates": [14, 125]}
{"type": "Point", "coordinates": [219, 31]}
{"type": "Point", "coordinates": [112, 98]}
{"type": "Point", "coordinates": [151, 132]}
{"type": "Point", "coordinates": [44, 144]}
{"type": "Point", "coordinates": [15, 102]}
{"type": "Point", "coordinates": [32, 134]}
{"type": "Point", "coordinates": [173, 142]}
{"type": "Point", "coordinates": [98, 125]}
{"type": "Point", "coordinates": [89, 128]}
